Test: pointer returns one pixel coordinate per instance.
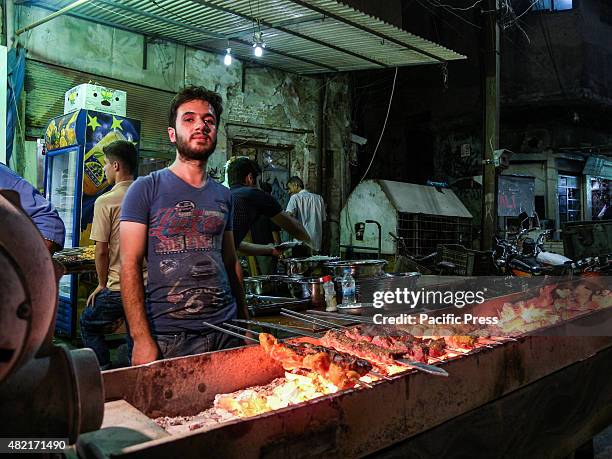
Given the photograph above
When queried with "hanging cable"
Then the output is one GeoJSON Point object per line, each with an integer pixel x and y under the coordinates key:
{"type": "Point", "coordinates": [383, 128]}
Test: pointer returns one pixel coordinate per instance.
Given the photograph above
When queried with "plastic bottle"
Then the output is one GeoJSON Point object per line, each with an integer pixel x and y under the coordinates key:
{"type": "Point", "coordinates": [330, 294]}
{"type": "Point", "coordinates": [348, 288]}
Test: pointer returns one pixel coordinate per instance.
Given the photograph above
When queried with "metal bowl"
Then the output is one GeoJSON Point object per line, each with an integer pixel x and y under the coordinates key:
{"type": "Point", "coordinates": [309, 266]}
{"type": "Point", "coordinates": [359, 269]}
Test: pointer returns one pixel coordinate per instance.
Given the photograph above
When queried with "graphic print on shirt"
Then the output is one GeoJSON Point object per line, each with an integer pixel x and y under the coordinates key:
{"type": "Point", "coordinates": [184, 228]}
{"type": "Point", "coordinates": [188, 242]}
{"type": "Point", "coordinates": [186, 299]}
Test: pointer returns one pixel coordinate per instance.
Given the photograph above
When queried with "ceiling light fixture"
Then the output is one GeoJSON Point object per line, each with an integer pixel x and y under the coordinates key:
{"type": "Point", "coordinates": [227, 60]}
{"type": "Point", "coordinates": [258, 43]}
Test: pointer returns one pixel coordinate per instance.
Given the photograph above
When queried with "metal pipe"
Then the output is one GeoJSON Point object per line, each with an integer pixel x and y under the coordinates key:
{"type": "Point", "coordinates": [60, 12]}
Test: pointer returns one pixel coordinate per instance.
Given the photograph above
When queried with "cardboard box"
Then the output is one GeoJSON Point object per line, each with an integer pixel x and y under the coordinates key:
{"type": "Point", "coordinates": [94, 97]}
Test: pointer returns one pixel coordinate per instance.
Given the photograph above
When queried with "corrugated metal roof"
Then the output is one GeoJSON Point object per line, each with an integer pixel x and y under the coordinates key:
{"type": "Point", "coordinates": [301, 36]}
{"type": "Point", "coordinates": [420, 199]}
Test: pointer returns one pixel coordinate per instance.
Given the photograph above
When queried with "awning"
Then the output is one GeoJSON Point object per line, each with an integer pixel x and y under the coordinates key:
{"type": "Point", "coordinates": [301, 36]}
{"type": "Point", "coordinates": [419, 199]}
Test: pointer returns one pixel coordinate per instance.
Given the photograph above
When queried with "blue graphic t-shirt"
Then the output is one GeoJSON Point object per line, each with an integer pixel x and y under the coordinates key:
{"type": "Point", "coordinates": [187, 281]}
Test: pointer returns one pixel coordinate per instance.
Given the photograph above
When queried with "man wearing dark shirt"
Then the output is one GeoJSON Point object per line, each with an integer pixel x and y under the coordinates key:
{"type": "Point", "coordinates": [265, 232]}
{"type": "Point", "coordinates": [250, 202]}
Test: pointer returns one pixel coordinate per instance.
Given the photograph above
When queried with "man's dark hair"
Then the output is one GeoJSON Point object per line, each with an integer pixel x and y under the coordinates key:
{"type": "Point", "coordinates": [296, 181]}
{"type": "Point", "coordinates": [124, 152]}
{"type": "Point", "coordinates": [239, 168]}
{"type": "Point", "coordinates": [195, 93]}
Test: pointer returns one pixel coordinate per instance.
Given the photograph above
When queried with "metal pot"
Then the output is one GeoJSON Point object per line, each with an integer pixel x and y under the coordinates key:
{"type": "Point", "coordinates": [309, 266]}
{"type": "Point", "coordinates": [313, 288]}
{"type": "Point", "coordinates": [272, 285]}
{"type": "Point", "coordinates": [359, 269]}
{"type": "Point", "coordinates": [286, 286]}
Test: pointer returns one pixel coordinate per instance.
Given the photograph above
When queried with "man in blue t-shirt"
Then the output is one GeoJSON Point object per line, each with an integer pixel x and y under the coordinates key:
{"type": "Point", "coordinates": [181, 220]}
{"type": "Point", "coordinates": [42, 212]}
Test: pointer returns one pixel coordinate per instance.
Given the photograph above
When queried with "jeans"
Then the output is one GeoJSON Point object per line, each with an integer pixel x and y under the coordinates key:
{"type": "Point", "coordinates": [183, 344]}
{"type": "Point", "coordinates": [104, 316]}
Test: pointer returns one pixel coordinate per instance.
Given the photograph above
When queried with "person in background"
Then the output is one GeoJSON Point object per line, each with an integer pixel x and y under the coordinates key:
{"type": "Point", "coordinates": [181, 220]}
{"type": "Point", "coordinates": [265, 232]}
{"type": "Point", "coordinates": [251, 203]}
{"type": "Point", "coordinates": [41, 212]}
{"type": "Point", "coordinates": [309, 209]}
{"type": "Point", "coordinates": [104, 311]}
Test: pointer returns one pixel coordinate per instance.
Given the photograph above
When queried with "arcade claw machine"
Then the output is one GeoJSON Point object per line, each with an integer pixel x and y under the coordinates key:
{"type": "Point", "coordinates": [74, 176]}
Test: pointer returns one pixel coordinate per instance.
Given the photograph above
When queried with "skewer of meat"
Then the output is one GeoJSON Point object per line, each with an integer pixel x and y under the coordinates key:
{"type": "Point", "coordinates": [376, 354]}
{"type": "Point", "coordinates": [342, 370]}
{"type": "Point", "coordinates": [391, 338]}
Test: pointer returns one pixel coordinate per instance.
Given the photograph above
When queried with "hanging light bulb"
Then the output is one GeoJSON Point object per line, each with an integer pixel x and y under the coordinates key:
{"type": "Point", "coordinates": [258, 44]}
{"type": "Point", "coordinates": [227, 60]}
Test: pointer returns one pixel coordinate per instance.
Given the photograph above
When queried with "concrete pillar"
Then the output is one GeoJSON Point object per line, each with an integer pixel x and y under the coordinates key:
{"type": "Point", "coordinates": [335, 150]}
{"type": "Point", "coordinates": [552, 181]}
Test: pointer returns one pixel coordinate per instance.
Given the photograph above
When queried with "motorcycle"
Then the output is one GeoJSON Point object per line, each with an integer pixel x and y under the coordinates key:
{"type": "Point", "coordinates": [509, 260]}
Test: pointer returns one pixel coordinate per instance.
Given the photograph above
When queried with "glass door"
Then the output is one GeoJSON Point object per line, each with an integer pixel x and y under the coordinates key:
{"type": "Point", "coordinates": [64, 194]}
{"type": "Point", "coordinates": [569, 198]}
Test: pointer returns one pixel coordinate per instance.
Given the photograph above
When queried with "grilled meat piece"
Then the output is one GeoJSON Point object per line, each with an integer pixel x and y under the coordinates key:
{"type": "Point", "coordinates": [398, 341]}
{"type": "Point", "coordinates": [342, 370]}
{"type": "Point", "coordinates": [364, 349]}
{"type": "Point", "coordinates": [436, 347]}
{"type": "Point", "coordinates": [461, 341]}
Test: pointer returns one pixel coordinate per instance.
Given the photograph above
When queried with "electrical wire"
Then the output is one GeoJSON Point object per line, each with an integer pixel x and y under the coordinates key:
{"type": "Point", "coordinates": [440, 5]}
{"type": "Point", "coordinates": [382, 132]}
{"type": "Point", "coordinates": [458, 8]}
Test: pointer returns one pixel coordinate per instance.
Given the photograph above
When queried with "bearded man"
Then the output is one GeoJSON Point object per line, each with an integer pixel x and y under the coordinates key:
{"type": "Point", "coordinates": [181, 220]}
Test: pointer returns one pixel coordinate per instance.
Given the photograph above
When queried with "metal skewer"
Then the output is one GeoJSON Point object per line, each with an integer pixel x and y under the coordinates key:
{"type": "Point", "coordinates": [229, 332]}
{"type": "Point", "coordinates": [236, 327]}
{"type": "Point", "coordinates": [424, 367]}
{"type": "Point", "coordinates": [310, 319]}
{"type": "Point", "coordinates": [278, 327]}
{"type": "Point", "coordinates": [340, 316]}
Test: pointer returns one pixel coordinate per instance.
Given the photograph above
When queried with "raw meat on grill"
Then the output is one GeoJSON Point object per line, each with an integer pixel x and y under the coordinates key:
{"type": "Point", "coordinates": [343, 370]}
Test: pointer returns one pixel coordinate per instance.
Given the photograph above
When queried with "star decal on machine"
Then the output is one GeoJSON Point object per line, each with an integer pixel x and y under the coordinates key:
{"type": "Point", "coordinates": [93, 122]}
{"type": "Point", "coordinates": [117, 124]}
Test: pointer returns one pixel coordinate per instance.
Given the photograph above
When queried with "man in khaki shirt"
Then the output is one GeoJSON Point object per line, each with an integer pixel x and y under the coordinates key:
{"type": "Point", "coordinates": [104, 310]}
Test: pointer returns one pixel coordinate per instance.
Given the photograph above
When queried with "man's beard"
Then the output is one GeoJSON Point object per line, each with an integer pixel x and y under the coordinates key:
{"type": "Point", "coordinates": [182, 146]}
